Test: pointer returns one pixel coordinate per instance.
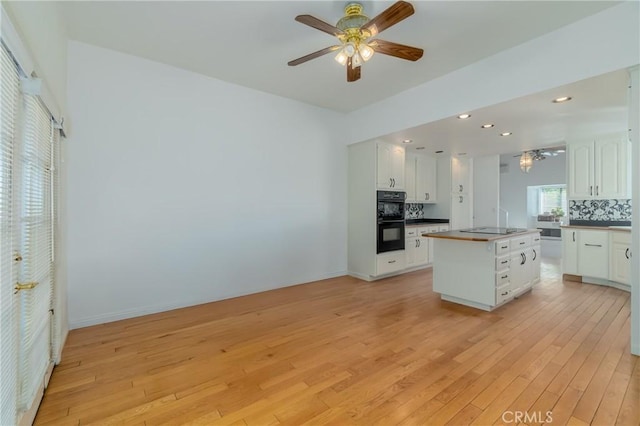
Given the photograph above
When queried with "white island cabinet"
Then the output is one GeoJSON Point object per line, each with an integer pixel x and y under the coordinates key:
{"type": "Point", "coordinates": [485, 270]}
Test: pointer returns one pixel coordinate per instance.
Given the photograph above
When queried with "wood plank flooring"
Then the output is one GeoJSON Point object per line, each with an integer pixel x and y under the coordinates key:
{"type": "Point", "coordinates": [343, 351]}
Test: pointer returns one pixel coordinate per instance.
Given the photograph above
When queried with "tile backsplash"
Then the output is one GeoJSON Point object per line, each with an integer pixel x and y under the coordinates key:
{"type": "Point", "coordinates": [414, 211]}
{"type": "Point", "coordinates": [604, 210]}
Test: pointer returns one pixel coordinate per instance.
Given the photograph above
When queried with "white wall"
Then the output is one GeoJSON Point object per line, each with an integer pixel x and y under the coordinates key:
{"type": "Point", "coordinates": [601, 43]}
{"type": "Point", "coordinates": [514, 183]}
{"type": "Point", "coordinates": [486, 190]}
{"type": "Point", "coordinates": [183, 189]}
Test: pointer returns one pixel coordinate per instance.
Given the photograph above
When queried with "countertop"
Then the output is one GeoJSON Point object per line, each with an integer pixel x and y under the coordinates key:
{"type": "Point", "coordinates": [426, 221]}
{"type": "Point", "coordinates": [467, 236]}
{"type": "Point", "coordinates": [603, 228]}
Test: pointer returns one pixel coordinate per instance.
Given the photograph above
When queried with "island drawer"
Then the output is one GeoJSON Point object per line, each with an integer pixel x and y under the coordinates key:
{"type": "Point", "coordinates": [502, 278]}
{"type": "Point", "coordinates": [502, 247]}
{"type": "Point", "coordinates": [502, 262]}
{"type": "Point", "coordinates": [503, 294]}
{"type": "Point", "coordinates": [521, 242]}
{"type": "Point", "coordinates": [390, 262]}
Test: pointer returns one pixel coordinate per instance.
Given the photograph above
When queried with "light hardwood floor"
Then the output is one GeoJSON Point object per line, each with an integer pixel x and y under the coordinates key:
{"type": "Point", "coordinates": [343, 351]}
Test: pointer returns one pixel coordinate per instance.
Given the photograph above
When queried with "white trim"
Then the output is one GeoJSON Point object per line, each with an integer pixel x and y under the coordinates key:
{"type": "Point", "coordinates": [20, 52]}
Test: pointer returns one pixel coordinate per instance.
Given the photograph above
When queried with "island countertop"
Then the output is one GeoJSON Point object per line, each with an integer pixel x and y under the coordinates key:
{"type": "Point", "coordinates": [477, 236]}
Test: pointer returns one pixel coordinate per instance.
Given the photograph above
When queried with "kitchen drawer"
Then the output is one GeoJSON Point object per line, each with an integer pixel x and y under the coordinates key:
{"type": "Point", "coordinates": [502, 247]}
{"type": "Point", "coordinates": [390, 262]}
{"type": "Point", "coordinates": [535, 239]}
{"type": "Point", "coordinates": [503, 294]}
{"type": "Point", "coordinates": [410, 232]}
{"type": "Point", "coordinates": [520, 242]}
{"type": "Point", "coordinates": [502, 278]}
{"type": "Point", "coordinates": [621, 237]}
{"type": "Point", "coordinates": [502, 262]}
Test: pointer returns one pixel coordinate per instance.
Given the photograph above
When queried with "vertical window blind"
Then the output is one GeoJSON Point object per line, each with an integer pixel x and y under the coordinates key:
{"type": "Point", "coordinates": [9, 98]}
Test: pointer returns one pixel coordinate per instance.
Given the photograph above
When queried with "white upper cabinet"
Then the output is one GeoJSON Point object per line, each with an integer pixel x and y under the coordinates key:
{"type": "Point", "coordinates": [460, 175]}
{"type": "Point", "coordinates": [420, 178]}
{"type": "Point", "coordinates": [599, 169]}
{"type": "Point", "coordinates": [390, 166]}
{"type": "Point", "coordinates": [426, 179]}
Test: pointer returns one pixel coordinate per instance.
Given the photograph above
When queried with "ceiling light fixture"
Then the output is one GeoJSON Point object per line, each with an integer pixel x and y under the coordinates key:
{"type": "Point", "coordinates": [487, 126]}
{"type": "Point", "coordinates": [526, 161]}
{"type": "Point", "coordinates": [354, 40]}
{"type": "Point", "coordinates": [561, 99]}
{"type": "Point", "coordinates": [464, 116]}
{"type": "Point", "coordinates": [505, 134]}
{"type": "Point", "coordinates": [407, 141]}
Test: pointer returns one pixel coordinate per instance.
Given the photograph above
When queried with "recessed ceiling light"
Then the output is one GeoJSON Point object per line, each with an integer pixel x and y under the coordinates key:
{"type": "Point", "coordinates": [463, 116]}
{"type": "Point", "coordinates": [487, 126]}
{"type": "Point", "coordinates": [419, 147]}
{"type": "Point", "coordinates": [439, 152]}
{"type": "Point", "coordinates": [505, 134]}
{"type": "Point", "coordinates": [561, 99]}
{"type": "Point", "coordinates": [407, 141]}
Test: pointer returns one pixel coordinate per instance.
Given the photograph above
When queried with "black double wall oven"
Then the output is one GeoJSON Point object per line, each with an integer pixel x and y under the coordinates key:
{"type": "Point", "coordinates": [390, 221]}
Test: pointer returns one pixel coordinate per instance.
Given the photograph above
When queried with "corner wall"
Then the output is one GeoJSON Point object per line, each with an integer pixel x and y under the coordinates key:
{"type": "Point", "coordinates": [184, 189]}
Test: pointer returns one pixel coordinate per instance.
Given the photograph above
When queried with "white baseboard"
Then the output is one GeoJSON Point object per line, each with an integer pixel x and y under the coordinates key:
{"type": "Point", "coordinates": [153, 309]}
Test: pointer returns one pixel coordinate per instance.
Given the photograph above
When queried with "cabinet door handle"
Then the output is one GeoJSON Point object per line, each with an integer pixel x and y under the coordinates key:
{"type": "Point", "coordinates": [535, 255]}
{"type": "Point", "coordinates": [504, 261]}
{"type": "Point", "coordinates": [391, 261]}
{"type": "Point", "coordinates": [504, 276]}
{"type": "Point", "coordinates": [461, 199]}
{"type": "Point", "coordinates": [523, 258]}
{"type": "Point", "coordinates": [460, 188]}
{"type": "Point", "coordinates": [505, 293]}
{"type": "Point", "coordinates": [591, 190]}
{"type": "Point", "coordinates": [597, 191]}
{"type": "Point", "coordinates": [574, 236]}
{"type": "Point", "coordinates": [593, 245]}
{"type": "Point", "coordinates": [426, 195]}
{"type": "Point", "coordinates": [523, 243]}
{"type": "Point", "coordinates": [504, 247]}
{"type": "Point", "coordinates": [626, 253]}
{"type": "Point", "coordinates": [417, 243]}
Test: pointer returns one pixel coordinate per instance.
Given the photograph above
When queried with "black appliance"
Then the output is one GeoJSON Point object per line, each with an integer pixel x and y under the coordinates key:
{"type": "Point", "coordinates": [390, 221]}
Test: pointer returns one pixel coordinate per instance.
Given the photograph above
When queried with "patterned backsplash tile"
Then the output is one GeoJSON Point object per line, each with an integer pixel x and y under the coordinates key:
{"type": "Point", "coordinates": [414, 211]}
{"type": "Point", "coordinates": [604, 210]}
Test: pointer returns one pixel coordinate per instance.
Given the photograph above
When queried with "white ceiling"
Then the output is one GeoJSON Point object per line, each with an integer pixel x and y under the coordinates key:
{"type": "Point", "coordinates": [250, 42]}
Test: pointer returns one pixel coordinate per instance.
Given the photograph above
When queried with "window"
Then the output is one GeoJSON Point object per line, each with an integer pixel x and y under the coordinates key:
{"type": "Point", "coordinates": [552, 199]}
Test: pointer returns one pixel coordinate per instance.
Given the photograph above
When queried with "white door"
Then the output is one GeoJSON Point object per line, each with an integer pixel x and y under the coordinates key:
{"type": "Point", "coordinates": [460, 175]}
{"type": "Point", "coordinates": [580, 170]}
{"type": "Point", "coordinates": [461, 215]}
{"type": "Point", "coordinates": [26, 223]}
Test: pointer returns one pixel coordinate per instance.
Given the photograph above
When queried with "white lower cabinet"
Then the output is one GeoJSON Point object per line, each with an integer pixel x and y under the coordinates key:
{"type": "Point", "coordinates": [493, 272]}
{"type": "Point", "coordinates": [620, 258]}
{"type": "Point", "coordinates": [419, 249]}
{"type": "Point", "coordinates": [598, 253]}
{"type": "Point", "coordinates": [593, 253]}
{"type": "Point", "coordinates": [387, 263]}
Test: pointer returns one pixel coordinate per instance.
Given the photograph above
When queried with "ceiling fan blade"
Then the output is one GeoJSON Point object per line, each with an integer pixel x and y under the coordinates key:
{"type": "Point", "coordinates": [319, 25]}
{"type": "Point", "coordinates": [353, 74]}
{"type": "Point", "coordinates": [313, 55]}
{"type": "Point", "coordinates": [398, 50]}
{"type": "Point", "coordinates": [397, 12]}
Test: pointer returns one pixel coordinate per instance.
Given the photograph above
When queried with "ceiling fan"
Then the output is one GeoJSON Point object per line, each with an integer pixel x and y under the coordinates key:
{"type": "Point", "coordinates": [542, 154]}
{"type": "Point", "coordinates": [355, 31]}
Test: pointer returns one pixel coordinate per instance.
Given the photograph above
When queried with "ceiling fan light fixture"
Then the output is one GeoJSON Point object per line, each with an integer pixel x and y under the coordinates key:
{"type": "Point", "coordinates": [349, 49]}
{"type": "Point", "coordinates": [342, 57]}
{"type": "Point", "coordinates": [526, 161]}
{"type": "Point", "coordinates": [356, 60]}
{"type": "Point", "coordinates": [366, 51]}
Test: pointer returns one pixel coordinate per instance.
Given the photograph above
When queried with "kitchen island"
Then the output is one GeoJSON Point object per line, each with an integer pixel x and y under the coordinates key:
{"type": "Point", "coordinates": [485, 267]}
